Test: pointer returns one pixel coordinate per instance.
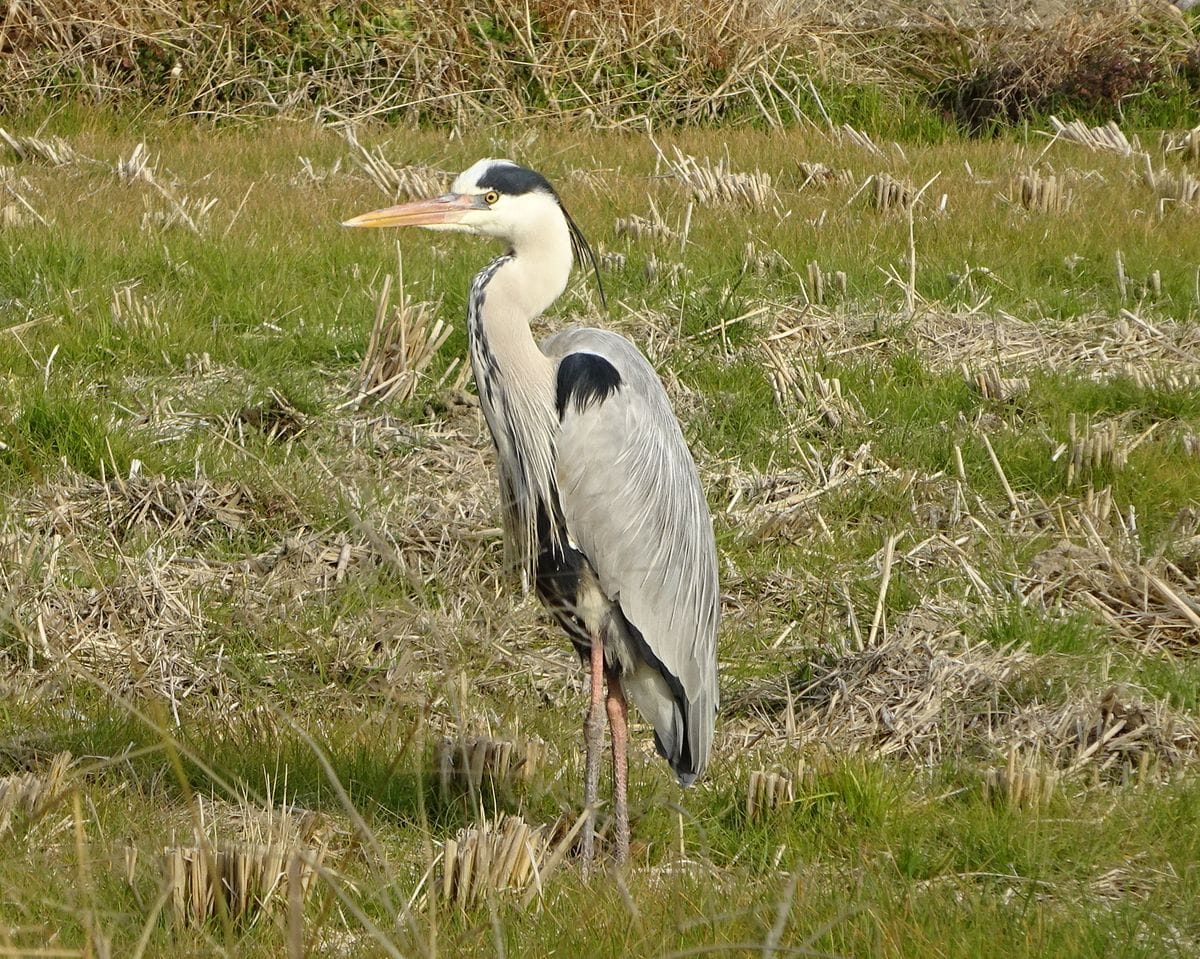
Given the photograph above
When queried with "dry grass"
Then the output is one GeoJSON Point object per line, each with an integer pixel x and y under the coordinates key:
{"type": "Point", "coordinates": [798, 388]}
{"type": "Point", "coordinates": [1148, 603]}
{"type": "Point", "coordinates": [28, 794]}
{"type": "Point", "coordinates": [410, 181]}
{"type": "Point", "coordinates": [577, 63]}
{"type": "Point", "coordinates": [680, 62]}
{"type": "Point", "coordinates": [478, 764]}
{"type": "Point", "coordinates": [928, 693]}
{"type": "Point", "coordinates": [653, 227]}
{"type": "Point", "coordinates": [1020, 784]}
{"type": "Point", "coordinates": [991, 385]}
{"type": "Point", "coordinates": [1107, 137]}
{"type": "Point", "coordinates": [242, 862]}
{"type": "Point", "coordinates": [715, 183]}
{"type": "Point", "coordinates": [404, 341]}
{"type": "Point", "coordinates": [887, 193]}
{"type": "Point", "coordinates": [922, 691]}
{"type": "Point", "coordinates": [53, 150]}
{"type": "Point", "coordinates": [1103, 346]}
{"type": "Point", "coordinates": [1171, 188]}
{"type": "Point", "coordinates": [1073, 57]}
{"type": "Point", "coordinates": [1185, 145]}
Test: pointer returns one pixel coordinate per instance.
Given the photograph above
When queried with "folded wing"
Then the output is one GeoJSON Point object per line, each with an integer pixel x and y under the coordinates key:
{"type": "Point", "coordinates": [634, 506]}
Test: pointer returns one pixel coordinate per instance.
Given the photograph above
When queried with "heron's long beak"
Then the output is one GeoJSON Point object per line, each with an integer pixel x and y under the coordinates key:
{"type": "Point", "coordinates": [434, 212]}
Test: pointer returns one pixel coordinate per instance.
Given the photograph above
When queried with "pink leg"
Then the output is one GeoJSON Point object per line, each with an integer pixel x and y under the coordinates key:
{"type": "Point", "coordinates": [617, 711]}
{"type": "Point", "coordinates": [593, 735]}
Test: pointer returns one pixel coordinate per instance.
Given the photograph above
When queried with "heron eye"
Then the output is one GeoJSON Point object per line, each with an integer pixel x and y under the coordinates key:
{"type": "Point", "coordinates": [491, 197]}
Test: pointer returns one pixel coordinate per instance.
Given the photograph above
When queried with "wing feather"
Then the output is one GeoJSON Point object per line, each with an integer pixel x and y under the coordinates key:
{"type": "Point", "coordinates": [634, 506]}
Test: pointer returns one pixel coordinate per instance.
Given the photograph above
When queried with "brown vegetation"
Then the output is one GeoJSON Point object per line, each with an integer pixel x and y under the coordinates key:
{"type": "Point", "coordinates": [677, 62]}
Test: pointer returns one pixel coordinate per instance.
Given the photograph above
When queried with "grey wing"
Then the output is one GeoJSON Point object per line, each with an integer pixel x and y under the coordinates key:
{"type": "Point", "coordinates": [634, 506]}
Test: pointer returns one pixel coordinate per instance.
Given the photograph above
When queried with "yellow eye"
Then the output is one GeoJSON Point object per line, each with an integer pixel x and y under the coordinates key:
{"type": "Point", "coordinates": [491, 197]}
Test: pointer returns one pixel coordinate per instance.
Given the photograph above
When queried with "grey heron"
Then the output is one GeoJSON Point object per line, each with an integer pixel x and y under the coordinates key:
{"type": "Point", "coordinates": [601, 501]}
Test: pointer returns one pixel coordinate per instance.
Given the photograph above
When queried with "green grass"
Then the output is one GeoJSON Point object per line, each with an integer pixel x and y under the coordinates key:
{"type": "Point", "coordinates": [299, 616]}
{"type": "Point", "coordinates": [875, 870]}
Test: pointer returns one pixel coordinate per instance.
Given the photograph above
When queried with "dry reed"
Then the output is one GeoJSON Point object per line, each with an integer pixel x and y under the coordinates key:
{"type": "Point", "coordinates": [506, 855]}
{"type": "Point", "coordinates": [768, 793]}
{"type": "Point", "coordinates": [404, 341]}
{"type": "Point", "coordinates": [28, 794]}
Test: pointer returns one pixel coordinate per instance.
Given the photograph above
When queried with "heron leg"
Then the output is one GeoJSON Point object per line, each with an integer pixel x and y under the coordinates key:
{"type": "Point", "coordinates": [593, 735]}
{"type": "Point", "coordinates": [617, 712]}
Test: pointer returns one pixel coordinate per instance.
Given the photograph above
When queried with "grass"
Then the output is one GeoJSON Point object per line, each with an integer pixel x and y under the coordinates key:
{"type": "Point", "coordinates": [229, 591]}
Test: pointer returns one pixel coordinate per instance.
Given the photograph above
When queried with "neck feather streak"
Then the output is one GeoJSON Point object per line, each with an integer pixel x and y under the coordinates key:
{"type": "Point", "coordinates": [516, 390]}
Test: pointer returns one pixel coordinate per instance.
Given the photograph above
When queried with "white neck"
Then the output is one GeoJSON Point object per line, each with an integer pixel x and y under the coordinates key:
{"type": "Point", "coordinates": [514, 378]}
{"type": "Point", "coordinates": [524, 284]}
{"type": "Point", "coordinates": [515, 296]}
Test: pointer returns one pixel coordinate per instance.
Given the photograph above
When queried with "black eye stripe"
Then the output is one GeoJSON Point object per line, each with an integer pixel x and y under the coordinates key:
{"type": "Point", "coordinates": [514, 180]}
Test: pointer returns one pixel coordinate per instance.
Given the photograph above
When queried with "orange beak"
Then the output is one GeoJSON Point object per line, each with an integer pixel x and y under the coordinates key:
{"type": "Point", "coordinates": [433, 212]}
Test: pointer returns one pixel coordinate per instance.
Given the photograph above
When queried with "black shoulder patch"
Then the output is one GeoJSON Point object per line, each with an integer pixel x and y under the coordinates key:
{"type": "Point", "coordinates": [586, 378]}
{"type": "Point", "coordinates": [513, 180]}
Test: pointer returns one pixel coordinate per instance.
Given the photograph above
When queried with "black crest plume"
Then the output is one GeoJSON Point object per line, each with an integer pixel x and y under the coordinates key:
{"type": "Point", "coordinates": [581, 249]}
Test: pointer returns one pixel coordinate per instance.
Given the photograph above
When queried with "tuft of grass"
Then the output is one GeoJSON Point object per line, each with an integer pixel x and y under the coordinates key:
{"type": "Point", "coordinates": [56, 426]}
{"type": "Point", "coordinates": [1021, 626]}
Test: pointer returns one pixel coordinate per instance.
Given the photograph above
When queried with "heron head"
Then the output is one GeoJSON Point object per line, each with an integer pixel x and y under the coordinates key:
{"type": "Point", "coordinates": [494, 198]}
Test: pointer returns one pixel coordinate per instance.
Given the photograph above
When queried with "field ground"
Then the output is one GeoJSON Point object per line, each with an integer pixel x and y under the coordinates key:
{"type": "Point", "coordinates": [951, 440]}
